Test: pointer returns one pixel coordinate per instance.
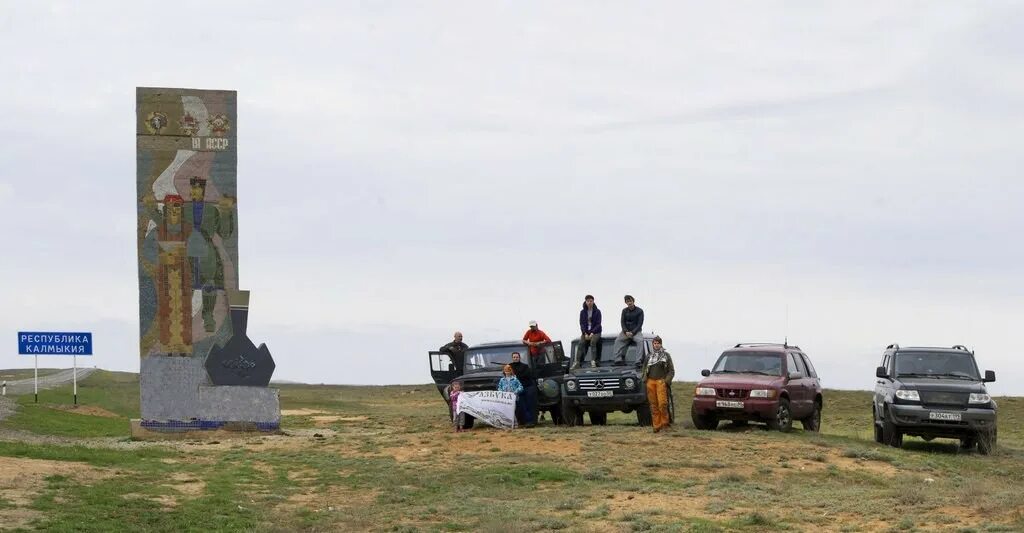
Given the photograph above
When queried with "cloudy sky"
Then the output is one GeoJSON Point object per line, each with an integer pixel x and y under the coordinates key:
{"type": "Point", "coordinates": [844, 174]}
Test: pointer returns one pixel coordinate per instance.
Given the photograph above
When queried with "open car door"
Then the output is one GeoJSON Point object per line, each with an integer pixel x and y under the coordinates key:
{"type": "Point", "coordinates": [552, 362]}
{"type": "Point", "coordinates": [442, 370]}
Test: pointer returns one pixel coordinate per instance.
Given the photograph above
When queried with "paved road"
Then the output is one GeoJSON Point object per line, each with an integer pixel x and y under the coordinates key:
{"type": "Point", "coordinates": [49, 381]}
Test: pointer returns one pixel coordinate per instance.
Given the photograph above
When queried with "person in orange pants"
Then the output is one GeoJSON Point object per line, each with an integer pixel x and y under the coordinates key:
{"type": "Point", "coordinates": [658, 374]}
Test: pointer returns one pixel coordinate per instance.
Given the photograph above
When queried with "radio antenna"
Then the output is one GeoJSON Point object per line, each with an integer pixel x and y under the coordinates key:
{"type": "Point", "coordinates": [785, 332]}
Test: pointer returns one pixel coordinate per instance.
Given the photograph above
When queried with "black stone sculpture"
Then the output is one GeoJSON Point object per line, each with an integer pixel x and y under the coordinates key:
{"type": "Point", "coordinates": [239, 361]}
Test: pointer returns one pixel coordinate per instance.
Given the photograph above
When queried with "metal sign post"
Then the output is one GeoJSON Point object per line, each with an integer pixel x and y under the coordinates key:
{"type": "Point", "coordinates": [38, 343]}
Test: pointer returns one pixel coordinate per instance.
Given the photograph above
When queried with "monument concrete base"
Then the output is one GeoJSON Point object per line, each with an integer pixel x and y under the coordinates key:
{"type": "Point", "coordinates": [198, 430]}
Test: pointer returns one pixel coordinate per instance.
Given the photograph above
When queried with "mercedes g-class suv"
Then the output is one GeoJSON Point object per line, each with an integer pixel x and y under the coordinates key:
{"type": "Point", "coordinates": [483, 364]}
{"type": "Point", "coordinates": [599, 390]}
{"type": "Point", "coordinates": [761, 382]}
{"type": "Point", "coordinates": [933, 392]}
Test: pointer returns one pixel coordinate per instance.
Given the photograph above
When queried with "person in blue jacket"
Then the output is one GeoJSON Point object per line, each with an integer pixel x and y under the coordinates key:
{"type": "Point", "coordinates": [590, 329]}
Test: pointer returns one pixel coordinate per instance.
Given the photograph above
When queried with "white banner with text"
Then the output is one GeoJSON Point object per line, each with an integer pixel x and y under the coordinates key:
{"type": "Point", "coordinates": [494, 408]}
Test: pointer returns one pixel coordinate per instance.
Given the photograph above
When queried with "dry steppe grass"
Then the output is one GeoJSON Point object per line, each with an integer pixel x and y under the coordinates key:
{"type": "Point", "coordinates": [385, 459]}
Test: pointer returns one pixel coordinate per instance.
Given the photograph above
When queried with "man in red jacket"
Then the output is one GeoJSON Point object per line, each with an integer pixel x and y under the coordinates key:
{"type": "Point", "coordinates": [534, 338]}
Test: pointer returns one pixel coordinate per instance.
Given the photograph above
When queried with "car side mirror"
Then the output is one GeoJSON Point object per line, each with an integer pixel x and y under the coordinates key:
{"type": "Point", "coordinates": [796, 375]}
{"type": "Point", "coordinates": [705, 372]}
{"type": "Point", "coordinates": [990, 376]}
{"type": "Point", "coordinates": [881, 372]}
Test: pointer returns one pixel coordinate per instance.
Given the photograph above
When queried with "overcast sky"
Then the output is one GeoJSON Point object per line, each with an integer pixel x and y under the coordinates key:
{"type": "Point", "coordinates": [408, 169]}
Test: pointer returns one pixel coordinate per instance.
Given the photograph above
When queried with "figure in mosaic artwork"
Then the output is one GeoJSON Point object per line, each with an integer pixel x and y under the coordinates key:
{"type": "Point", "coordinates": [174, 296]}
{"type": "Point", "coordinates": [207, 267]}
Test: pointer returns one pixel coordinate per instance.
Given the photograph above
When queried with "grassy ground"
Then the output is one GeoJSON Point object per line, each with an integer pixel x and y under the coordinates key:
{"type": "Point", "coordinates": [384, 458]}
{"type": "Point", "coordinates": [25, 373]}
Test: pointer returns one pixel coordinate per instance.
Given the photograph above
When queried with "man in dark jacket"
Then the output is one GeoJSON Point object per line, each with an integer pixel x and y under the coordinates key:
{"type": "Point", "coordinates": [526, 403]}
{"type": "Point", "coordinates": [456, 350]}
{"type": "Point", "coordinates": [632, 323]}
{"type": "Point", "coordinates": [590, 327]}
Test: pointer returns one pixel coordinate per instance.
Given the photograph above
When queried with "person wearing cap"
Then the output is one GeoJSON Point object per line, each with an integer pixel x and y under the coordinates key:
{"type": "Point", "coordinates": [534, 338]}
{"type": "Point", "coordinates": [632, 322]}
{"type": "Point", "coordinates": [590, 327]}
{"type": "Point", "coordinates": [456, 350]}
{"type": "Point", "coordinates": [658, 373]}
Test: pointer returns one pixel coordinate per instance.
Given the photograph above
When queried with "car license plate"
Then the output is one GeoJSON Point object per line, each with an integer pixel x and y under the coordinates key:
{"type": "Point", "coordinates": [936, 415]}
{"type": "Point", "coordinates": [600, 394]}
{"type": "Point", "coordinates": [729, 404]}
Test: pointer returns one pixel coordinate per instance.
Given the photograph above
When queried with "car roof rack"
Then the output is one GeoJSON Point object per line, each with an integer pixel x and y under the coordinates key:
{"type": "Point", "coordinates": [756, 344]}
{"type": "Point", "coordinates": [893, 346]}
{"type": "Point", "coordinates": [961, 347]}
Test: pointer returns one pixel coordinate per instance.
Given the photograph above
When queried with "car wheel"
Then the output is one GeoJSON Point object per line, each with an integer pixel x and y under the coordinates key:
{"type": "Point", "coordinates": [703, 422]}
{"type": "Point", "coordinates": [813, 422]}
{"type": "Point", "coordinates": [877, 427]}
{"type": "Point", "coordinates": [986, 442]}
{"type": "Point", "coordinates": [968, 443]}
{"type": "Point", "coordinates": [783, 419]}
{"type": "Point", "coordinates": [598, 419]}
{"type": "Point", "coordinates": [643, 415]}
{"type": "Point", "coordinates": [571, 416]}
{"type": "Point", "coordinates": [890, 434]}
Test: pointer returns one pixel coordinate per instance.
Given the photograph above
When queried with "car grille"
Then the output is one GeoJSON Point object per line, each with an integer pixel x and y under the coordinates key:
{"type": "Point", "coordinates": [733, 394]}
{"type": "Point", "coordinates": [599, 384]}
{"type": "Point", "coordinates": [479, 385]}
{"type": "Point", "coordinates": [958, 399]}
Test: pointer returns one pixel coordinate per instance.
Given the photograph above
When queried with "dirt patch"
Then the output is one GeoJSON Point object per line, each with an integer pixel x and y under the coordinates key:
{"type": "Point", "coordinates": [88, 410]}
{"type": "Point", "coordinates": [22, 479]}
{"type": "Point", "coordinates": [331, 499]}
{"type": "Point", "coordinates": [186, 484]}
{"type": "Point", "coordinates": [302, 412]}
{"type": "Point", "coordinates": [300, 476]}
{"type": "Point", "coordinates": [445, 446]}
{"type": "Point", "coordinates": [323, 420]}
{"type": "Point", "coordinates": [681, 504]}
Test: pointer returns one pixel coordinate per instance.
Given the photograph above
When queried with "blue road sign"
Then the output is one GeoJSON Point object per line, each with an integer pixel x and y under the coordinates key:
{"type": "Point", "coordinates": [48, 343]}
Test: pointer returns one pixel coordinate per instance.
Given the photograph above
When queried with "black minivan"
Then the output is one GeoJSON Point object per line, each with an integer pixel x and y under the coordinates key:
{"type": "Point", "coordinates": [933, 392]}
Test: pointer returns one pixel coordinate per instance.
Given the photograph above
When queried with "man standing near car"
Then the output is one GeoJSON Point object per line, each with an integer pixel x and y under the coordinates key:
{"type": "Point", "coordinates": [534, 338]}
{"type": "Point", "coordinates": [456, 350]}
{"type": "Point", "coordinates": [527, 408]}
{"type": "Point", "coordinates": [632, 322]}
{"type": "Point", "coordinates": [658, 374]}
{"type": "Point", "coordinates": [590, 326]}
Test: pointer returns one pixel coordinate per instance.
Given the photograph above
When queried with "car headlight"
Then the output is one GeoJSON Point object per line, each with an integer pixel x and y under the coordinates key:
{"type": "Point", "coordinates": [762, 393]}
{"type": "Point", "coordinates": [571, 385]}
{"type": "Point", "coordinates": [629, 383]}
{"type": "Point", "coordinates": [979, 398]}
{"type": "Point", "coordinates": [909, 395]}
{"type": "Point", "coordinates": [705, 391]}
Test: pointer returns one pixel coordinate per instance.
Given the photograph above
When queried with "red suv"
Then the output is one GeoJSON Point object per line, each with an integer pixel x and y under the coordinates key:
{"type": "Point", "coordinates": [773, 383]}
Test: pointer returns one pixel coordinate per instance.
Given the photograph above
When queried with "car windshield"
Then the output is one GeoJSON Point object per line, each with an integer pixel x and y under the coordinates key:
{"type": "Point", "coordinates": [608, 351]}
{"type": "Point", "coordinates": [490, 358]}
{"type": "Point", "coordinates": [767, 363]}
{"type": "Point", "coordinates": [936, 364]}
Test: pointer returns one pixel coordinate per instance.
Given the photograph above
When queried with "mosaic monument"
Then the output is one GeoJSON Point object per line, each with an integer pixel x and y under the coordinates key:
{"type": "Point", "coordinates": [199, 369]}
